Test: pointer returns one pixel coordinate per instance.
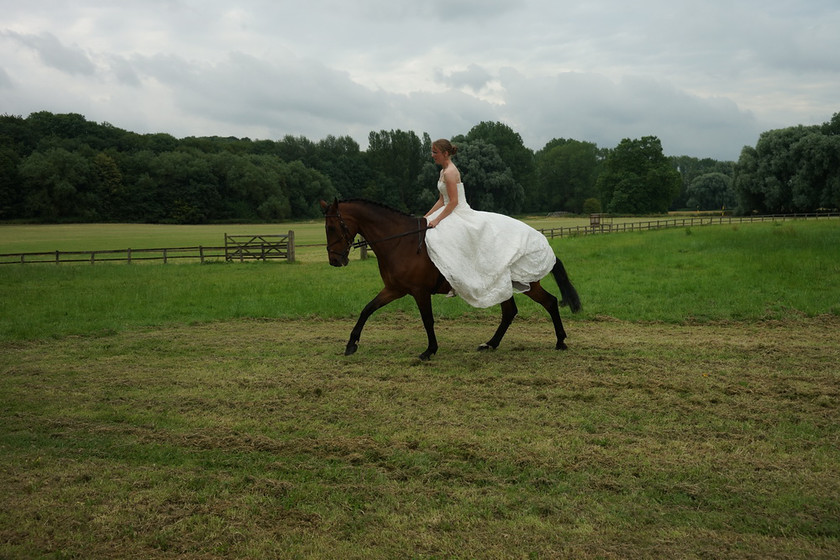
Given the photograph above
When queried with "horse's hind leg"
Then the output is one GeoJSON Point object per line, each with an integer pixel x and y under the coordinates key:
{"type": "Point", "coordinates": [424, 304]}
{"type": "Point", "coordinates": [549, 302]}
{"type": "Point", "coordinates": [382, 299]}
{"type": "Point", "coordinates": [509, 311]}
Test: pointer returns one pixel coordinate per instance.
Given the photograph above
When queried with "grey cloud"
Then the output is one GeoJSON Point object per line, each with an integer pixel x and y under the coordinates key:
{"type": "Point", "coordinates": [242, 89]}
{"type": "Point", "coordinates": [594, 108]}
{"type": "Point", "coordinates": [53, 53]}
{"type": "Point", "coordinates": [124, 71]}
{"type": "Point", "coordinates": [5, 80]}
{"type": "Point", "coordinates": [474, 77]}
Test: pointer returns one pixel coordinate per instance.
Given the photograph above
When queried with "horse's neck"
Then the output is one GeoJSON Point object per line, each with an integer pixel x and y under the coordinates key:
{"type": "Point", "coordinates": [375, 222]}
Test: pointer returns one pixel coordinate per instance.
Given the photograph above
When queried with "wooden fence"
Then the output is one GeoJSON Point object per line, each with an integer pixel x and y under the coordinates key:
{"type": "Point", "coordinates": [236, 248]}
{"type": "Point", "coordinates": [117, 255]}
{"type": "Point", "coordinates": [602, 224]}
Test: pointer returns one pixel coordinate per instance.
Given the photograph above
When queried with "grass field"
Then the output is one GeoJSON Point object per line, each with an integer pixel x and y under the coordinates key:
{"type": "Point", "coordinates": [749, 272]}
{"type": "Point", "coordinates": [206, 411]}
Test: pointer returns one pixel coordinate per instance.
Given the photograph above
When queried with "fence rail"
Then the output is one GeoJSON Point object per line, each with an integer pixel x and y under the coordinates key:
{"type": "Point", "coordinates": [166, 254]}
{"type": "Point", "coordinates": [236, 248]}
{"type": "Point", "coordinates": [606, 226]}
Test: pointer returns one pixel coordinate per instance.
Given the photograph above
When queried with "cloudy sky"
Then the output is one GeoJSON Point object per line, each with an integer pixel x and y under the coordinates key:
{"type": "Point", "coordinates": [705, 76]}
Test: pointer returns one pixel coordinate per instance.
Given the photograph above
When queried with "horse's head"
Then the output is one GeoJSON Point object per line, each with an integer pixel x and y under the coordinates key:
{"type": "Point", "coordinates": [339, 235]}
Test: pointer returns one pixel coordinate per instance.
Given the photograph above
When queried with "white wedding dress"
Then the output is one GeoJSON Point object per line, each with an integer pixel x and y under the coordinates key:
{"type": "Point", "coordinates": [486, 257]}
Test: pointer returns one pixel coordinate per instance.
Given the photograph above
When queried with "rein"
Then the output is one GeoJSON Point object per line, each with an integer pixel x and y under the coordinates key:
{"type": "Point", "coordinates": [359, 244]}
{"type": "Point", "coordinates": [345, 233]}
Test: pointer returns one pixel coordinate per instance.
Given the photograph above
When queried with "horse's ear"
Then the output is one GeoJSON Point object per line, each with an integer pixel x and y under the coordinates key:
{"type": "Point", "coordinates": [324, 207]}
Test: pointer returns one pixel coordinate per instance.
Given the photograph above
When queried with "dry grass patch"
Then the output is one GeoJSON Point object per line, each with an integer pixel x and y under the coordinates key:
{"type": "Point", "coordinates": [255, 439]}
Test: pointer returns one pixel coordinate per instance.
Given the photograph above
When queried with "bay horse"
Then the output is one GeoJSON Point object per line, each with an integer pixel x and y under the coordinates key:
{"type": "Point", "coordinates": [398, 241]}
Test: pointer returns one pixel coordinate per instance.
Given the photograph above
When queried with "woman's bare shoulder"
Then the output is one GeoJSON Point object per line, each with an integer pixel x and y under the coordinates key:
{"type": "Point", "coordinates": [451, 173]}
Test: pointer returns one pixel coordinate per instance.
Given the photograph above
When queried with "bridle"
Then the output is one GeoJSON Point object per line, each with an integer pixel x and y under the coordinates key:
{"type": "Point", "coordinates": [346, 238]}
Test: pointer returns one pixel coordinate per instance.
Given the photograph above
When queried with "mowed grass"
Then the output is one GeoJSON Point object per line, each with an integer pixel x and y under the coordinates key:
{"type": "Point", "coordinates": [258, 439]}
{"type": "Point", "coordinates": [207, 411]}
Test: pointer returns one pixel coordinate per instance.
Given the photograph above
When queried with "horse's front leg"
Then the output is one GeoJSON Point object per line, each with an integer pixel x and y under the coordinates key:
{"type": "Point", "coordinates": [382, 299]}
{"type": "Point", "coordinates": [424, 304]}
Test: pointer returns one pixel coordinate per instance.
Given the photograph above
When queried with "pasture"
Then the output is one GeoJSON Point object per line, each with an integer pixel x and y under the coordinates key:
{"type": "Point", "coordinates": [207, 411]}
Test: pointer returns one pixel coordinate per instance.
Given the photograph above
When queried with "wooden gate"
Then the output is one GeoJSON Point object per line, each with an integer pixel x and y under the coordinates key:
{"type": "Point", "coordinates": [260, 247]}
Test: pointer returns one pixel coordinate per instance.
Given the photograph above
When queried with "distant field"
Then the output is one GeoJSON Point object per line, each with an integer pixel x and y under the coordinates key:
{"type": "Point", "coordinates": [88, 237]}
{"type": "Point", "coordinates": [80, 237]}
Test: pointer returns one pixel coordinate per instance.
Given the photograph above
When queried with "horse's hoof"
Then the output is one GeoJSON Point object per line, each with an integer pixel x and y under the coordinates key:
{"type": "Point", "coordinates": [485, 346]}
{"type": "Point", "coordinates": [561, 346]}
{"type": "Point", "coordinates": [426, 356]}
{"type": "Point", "coordinates": [350, 350]}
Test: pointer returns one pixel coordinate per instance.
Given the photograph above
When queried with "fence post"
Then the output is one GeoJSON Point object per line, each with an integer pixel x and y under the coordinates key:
{"type": "Point", "coordinates": [129, 255]}
{"type": "Point", "coordinates": [290, 249]}
{"type": "Point", "coordinates": [363, 249]}
{"type": "Point", "coordinates": [201, 254]}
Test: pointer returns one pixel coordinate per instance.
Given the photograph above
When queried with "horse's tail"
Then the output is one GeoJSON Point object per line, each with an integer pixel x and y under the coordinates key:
{"type": "Point", "coordinates": [570, 295]}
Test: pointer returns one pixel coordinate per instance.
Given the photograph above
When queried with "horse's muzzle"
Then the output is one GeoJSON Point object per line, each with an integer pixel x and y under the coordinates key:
{"type": "Point", "coordinates": [339, 260]}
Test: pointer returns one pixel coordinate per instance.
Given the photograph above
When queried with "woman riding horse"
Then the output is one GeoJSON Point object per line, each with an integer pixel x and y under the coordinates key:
{"type": "Point", "coordinates": [484, 257]}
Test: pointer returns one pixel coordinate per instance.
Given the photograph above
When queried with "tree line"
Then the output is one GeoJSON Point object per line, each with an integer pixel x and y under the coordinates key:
{"type": "Point", "coordinates": [63, 168]}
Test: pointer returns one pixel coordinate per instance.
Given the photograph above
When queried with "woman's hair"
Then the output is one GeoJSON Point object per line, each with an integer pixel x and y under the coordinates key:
{"type": "Point", "coordinates": [445, 146]}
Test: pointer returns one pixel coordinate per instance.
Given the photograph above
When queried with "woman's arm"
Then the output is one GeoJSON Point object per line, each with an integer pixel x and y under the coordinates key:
{"type": "Point", "coordinates": [451, 181]}
{"type": "Point", "coordinates": [437, 205]}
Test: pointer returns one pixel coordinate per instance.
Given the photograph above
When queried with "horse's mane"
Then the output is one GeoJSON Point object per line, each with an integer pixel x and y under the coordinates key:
{"type": "Point", "coordinates": [379, 205]}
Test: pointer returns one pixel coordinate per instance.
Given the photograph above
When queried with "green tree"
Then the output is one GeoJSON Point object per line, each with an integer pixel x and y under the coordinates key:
{"type": "Point", "coordinates": [17, 134]}
{"type": "Point", "coordinates": [396, 159]}
{"type": "Point", "coordinates": [488, 181]}
{"type": "Point", "coordinates": [246, 183]}
{"type": "Point", "coordinates": [305, 187]}
{"type": "Point", "coordinates": [158, 143]}
{"type": "Point", "coordinates": [712, 191]}
{"type": "Point", "coordinates": [109, 186]}
{"type": "Point", "coordinates": [510, 147]}
{"type": "Point", "coordinates": [296, 148]}
{"type": "Point", "coordinates": [11, 196]}
{"type": "Point", "coordinates": [56, 186]}
{"type": "Point", "coordinates": [690, 168]}
{"type": "Point", "coordinates": [567, 171]}
{"type": "Point", "coordinates": [187, 186]}
{"type": "Point", "coordinates": [816, 181]}
{"type": "Point", "coordinates": [794, 169]}
{"type": "Point", "coordinates": [341, 160]}
{"type": "Point", "coordinates": [637, 178]}
{"type": "Point", "coordinates": [592, 206]}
